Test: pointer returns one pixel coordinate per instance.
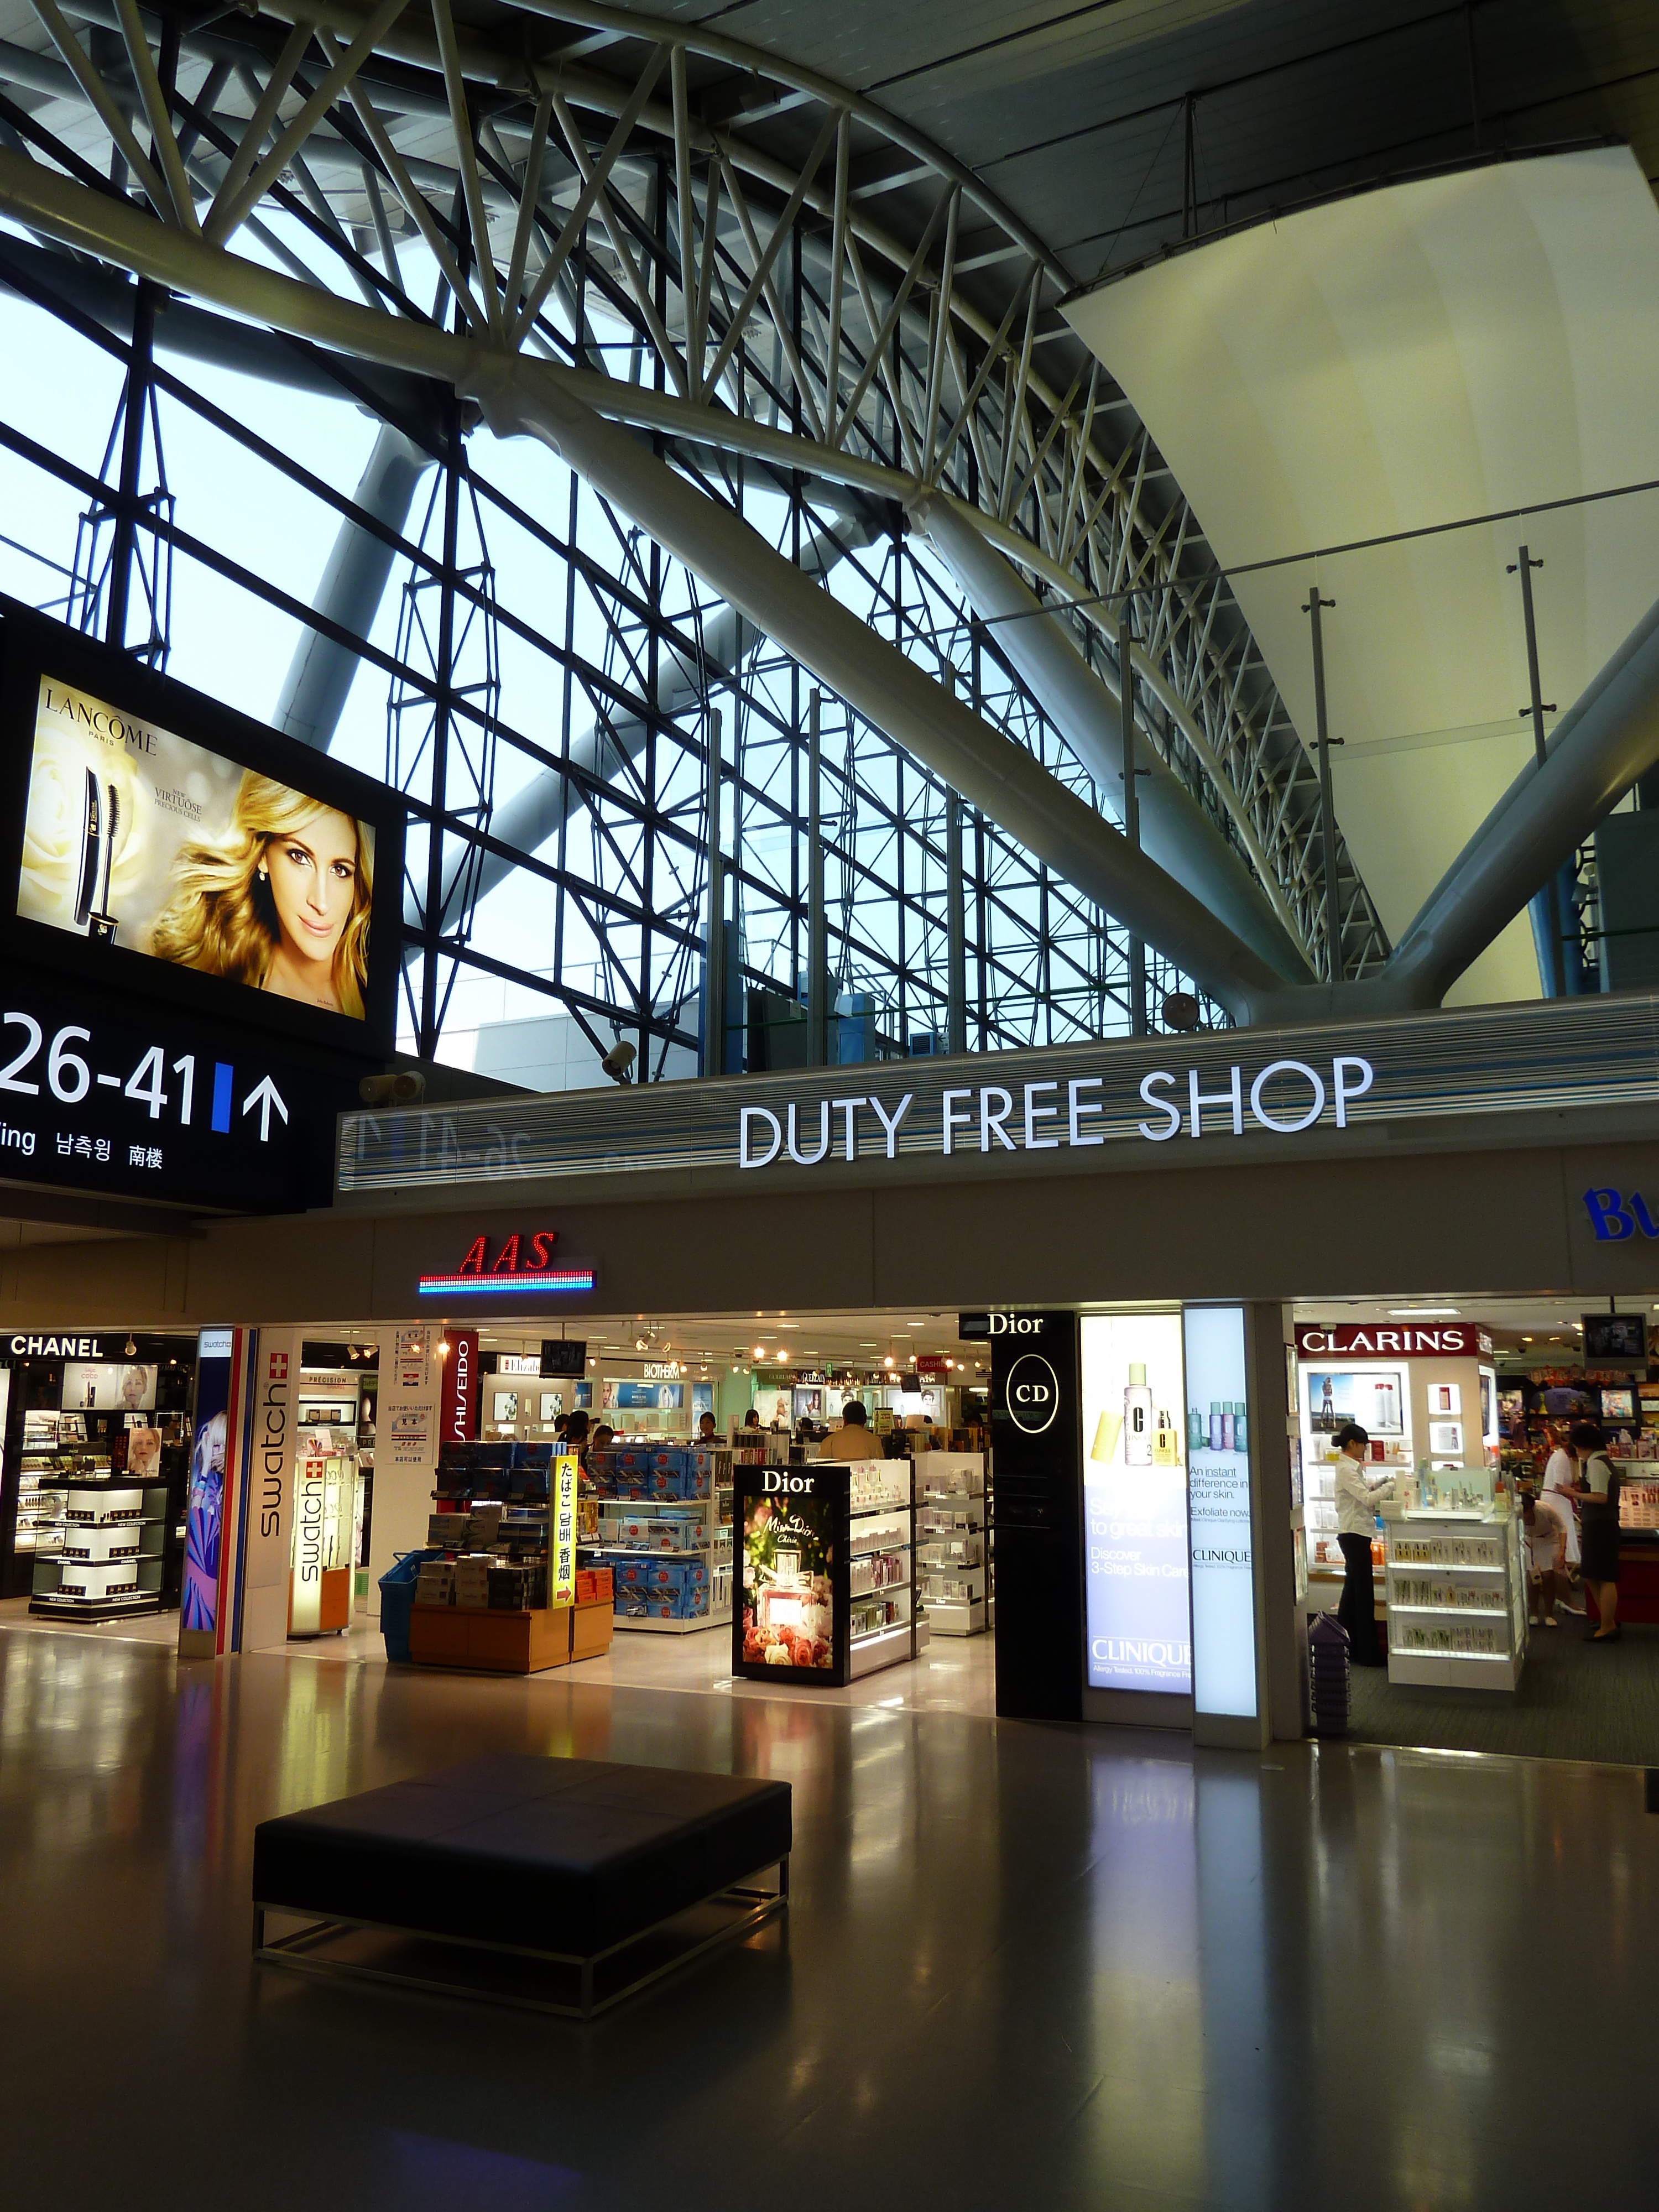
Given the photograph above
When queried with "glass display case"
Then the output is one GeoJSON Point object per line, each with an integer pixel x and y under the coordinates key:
{"type": "Point", "coordinates": [826, 1553]}
{"type": "Point", "coordinates": [1456, 1595]}
{"type": "Point", "coordinates": [327, 1516]}
{"type": "Point", "coordinates": [95, 1477]}
{"type": "Point", "coordinates": [953, 1574]}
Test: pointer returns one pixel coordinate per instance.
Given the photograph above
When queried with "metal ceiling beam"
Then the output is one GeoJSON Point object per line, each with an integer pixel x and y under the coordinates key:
{"type": "Point", "coordinates": [1074, 524]}
{"type": "Point", "coordinates": [320, 675]}
{"type": "Point", "coordinates": [1607, 739]}
{"type": "Point", "coordinates": [1084, 707]}
{"type": "Point", "coordinates": [1001, 778]}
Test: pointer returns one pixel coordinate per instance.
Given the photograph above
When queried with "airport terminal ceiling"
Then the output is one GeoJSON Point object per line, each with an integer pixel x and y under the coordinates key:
{"type": "Point", "coordinates": [731, 232]}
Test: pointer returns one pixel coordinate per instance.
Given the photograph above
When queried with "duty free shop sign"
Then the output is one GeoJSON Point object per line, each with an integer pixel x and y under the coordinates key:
{"type": "Point", "coordinates": [1158, 1096]}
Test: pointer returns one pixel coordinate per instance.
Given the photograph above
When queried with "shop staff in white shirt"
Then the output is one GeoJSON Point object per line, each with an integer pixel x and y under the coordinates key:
{"type": "Point", "coordinates": [1357, 1500]}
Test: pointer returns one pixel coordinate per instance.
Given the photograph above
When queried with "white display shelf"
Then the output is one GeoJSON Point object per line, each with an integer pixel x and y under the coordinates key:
{"type": "Point", "coordinates": [948, 1617]}
{"type": "Point", "coordinates": [656, 1626]}
{"type": "Point", "coordinates": [883, 1648]}
{"type": "Point", "coordinates": [1491, 1548]}
{"type": "Point", "coordinates": [951, 1510]}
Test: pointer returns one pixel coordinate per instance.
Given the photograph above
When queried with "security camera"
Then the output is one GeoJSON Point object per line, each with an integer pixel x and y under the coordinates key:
{"type": "Point", "coordinates": [618, 1061]}
{"type": "Point", "coordinates": [402, 1087]}
{"type": "Point", "coordinates": [1182, 1011]}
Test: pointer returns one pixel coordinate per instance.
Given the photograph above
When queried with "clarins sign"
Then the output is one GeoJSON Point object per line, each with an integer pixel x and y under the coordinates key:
{"type": "Point", "coordinates": [1443, 1339]}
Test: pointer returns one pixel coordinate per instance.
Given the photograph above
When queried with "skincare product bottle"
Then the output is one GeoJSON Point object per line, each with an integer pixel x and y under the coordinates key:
{"type": "Point", "coordinates": [1197, 1434]}
{"type": "Point", "coordinates": [1215, 1425]}
{"type": "Point", "coordinates": [1166, 1445]}
{"type": "Point", "coordinates": [1227, 1426]}
{"type": "Point", "coordinates": [1137, 1418]}
{"type": "Point", "coordinates": [1241, 1428]}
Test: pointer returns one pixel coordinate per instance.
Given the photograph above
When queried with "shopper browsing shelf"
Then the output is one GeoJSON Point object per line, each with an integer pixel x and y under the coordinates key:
{"type": "Point", "coordinates": [706, 1430]}
{"type": "Point", "coordinates": [854, 1439]}
{"type": "Point", "coordinates": [1546, 1521]}
{"type": "Point", "coordinates": [1357, 1501]}
{"type": "Point", "coordinates": [1560, 1474]}
{"type": "Point", "coordinates": [1596, 1493]}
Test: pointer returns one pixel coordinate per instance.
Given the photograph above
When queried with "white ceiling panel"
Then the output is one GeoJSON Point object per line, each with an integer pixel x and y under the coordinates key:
{"type": "Point", "coordinates": [1457, 346]}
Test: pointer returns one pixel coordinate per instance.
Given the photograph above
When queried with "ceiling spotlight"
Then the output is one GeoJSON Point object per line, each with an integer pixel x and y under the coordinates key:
{"type": "Point", "coordinates": [888, 1361]}
{"type": "Point", "coordinates": [760, 1351]}
{"type": "Point", "coordinates": [618, 1061]}
{"type": "Point", "coordinates": [129, 1348]}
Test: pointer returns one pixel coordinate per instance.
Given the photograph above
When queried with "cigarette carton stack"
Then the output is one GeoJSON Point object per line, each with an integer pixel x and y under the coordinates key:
{"type": "Point", "coordinates": [472, 1579]}
{"type": "Point", "coordinates": [482, 1526]}
{"type": "Point", "coordinates": [509, 1588]}
{"type": "Point", "coordinates": [435, 1582]}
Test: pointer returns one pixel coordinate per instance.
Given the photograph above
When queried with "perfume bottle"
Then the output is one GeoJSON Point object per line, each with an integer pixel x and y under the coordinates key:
{"type": "Point", "coordinates": [1166, 1445]}
{"type": "Point", "coordinates": [1137, 1418]}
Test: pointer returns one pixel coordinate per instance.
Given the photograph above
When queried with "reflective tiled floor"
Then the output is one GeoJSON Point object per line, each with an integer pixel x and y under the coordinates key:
{"type": "Point", "coordinates": [1027, 1966]}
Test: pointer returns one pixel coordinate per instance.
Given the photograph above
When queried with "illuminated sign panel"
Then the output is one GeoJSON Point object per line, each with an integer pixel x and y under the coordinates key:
{"type": "Point", "coordinates": [159, 843]}
{"type": "Point", "coordinates": [523, 1266]}
{"type": "Point", "coordinates": [1258, 1096]}
{"type": "Point", "coordinates": [1135, 1503]}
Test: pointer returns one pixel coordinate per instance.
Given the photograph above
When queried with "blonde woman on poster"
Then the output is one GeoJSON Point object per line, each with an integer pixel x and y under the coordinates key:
{"type": "Point", "coordinates": [283, 904]}
{"type": "Point", "coordinates": [138, 838]}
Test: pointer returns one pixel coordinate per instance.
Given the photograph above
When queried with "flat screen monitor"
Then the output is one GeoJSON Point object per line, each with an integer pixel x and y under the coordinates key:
{"type": "Point", "coordinates": [162, 843]}
{"type": "Point", "coordinates": [565, 1356]}
{"type": "Point", "coordinates": [1615, 1340]}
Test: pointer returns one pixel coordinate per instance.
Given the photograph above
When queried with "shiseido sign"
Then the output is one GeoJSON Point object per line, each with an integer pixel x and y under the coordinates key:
{"type": "Point", "coordinates": [1393, 1339]}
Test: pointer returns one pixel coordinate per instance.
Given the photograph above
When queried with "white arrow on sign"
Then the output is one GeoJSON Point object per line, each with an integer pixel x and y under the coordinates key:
{"type": "Point", "coordinates": [264, 1096]}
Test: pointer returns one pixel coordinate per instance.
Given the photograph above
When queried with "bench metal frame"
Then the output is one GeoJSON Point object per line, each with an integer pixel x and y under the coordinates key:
{"type": "Point", "coordinates": [297, 1952]}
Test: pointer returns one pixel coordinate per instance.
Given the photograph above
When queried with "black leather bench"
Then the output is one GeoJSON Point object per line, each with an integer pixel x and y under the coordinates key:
{"type": "Point", "coordinates": [573, 1864]}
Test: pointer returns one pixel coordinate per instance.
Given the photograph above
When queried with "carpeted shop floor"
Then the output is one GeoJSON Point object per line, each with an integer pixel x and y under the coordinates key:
{"type": "Point", "coordinates": [1576, 1700]}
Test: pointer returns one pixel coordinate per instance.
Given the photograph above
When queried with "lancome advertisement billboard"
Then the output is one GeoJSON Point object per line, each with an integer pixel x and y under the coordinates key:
{"type": "Point", "coordinates": [166, 845]}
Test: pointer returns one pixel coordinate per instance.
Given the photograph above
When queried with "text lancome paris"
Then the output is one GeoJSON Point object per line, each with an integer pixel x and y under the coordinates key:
{"type": "Point", "coordinates": [1284, 1097]}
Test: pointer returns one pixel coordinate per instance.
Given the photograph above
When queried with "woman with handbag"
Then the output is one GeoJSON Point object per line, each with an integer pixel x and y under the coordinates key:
{"type": "Point", "coordinates": [1596, 1494]}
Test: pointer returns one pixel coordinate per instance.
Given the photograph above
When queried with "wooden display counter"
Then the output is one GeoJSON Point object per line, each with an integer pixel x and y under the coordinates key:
{"type": "Point", "coordinates": [488, 1641]}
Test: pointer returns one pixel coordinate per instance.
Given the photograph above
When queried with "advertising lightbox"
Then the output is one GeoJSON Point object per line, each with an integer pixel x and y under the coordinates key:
{"type": "Point", "coordinates": [1218, 1511]}
{"type": "Point", "coordinates": [167, 846]}
{"type": "Point", "coordinates": [1135, 1504]}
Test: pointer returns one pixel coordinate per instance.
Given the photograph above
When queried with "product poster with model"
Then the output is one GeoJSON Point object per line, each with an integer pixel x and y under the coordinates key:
{"type": "Point", "coordinates": [163, 837]}
{"type": "Point", "coordinates": [790, 1623]}
{"type": "Point", "coordinates": [204, 1508]}
{"type": "Point", "coordinates": [128, 1386]}
{"type": "Point", "coordinates": [1135, 1503]}
{"type": "Point", "coordinates": [1375, 1397]}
